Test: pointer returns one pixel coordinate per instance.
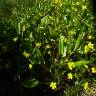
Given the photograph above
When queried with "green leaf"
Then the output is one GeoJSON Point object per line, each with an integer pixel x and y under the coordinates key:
{"type": "Point", "coordinates": [81, 63]}
{"type": "Point", "coordinates": [61, 45]}
{"type": "Point", "coordinates": [65, 51]}
{"type": "Point", "coordinates": [52, 32]}
{"type": "Point", "coordinates": [39, 54]}
{"type": "Point", "coordinates": [44, 20]}
{"type": "Point", "coordinates": [78, 41]}
{"type": "Point", "coordinates": [30, 83]}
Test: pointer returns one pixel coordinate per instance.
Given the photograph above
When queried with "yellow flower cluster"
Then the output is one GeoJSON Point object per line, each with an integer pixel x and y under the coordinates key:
{"type": "Point", "coordinates": [53, 85]}
{"type": "Point", "coordinates": [15, 39]}
{"type": "Point", "coordinates": [71, 65]}
{"type": "Point", "coordinates": [93, 70]}
{"type": "Point", "coordinates": [48, 46]}
{"type": "Point", "coordinates": [70, 76]}
{"type": "Point", "coordinates": [86, 85]}
{"type": "Point", "coordinates": [90, 37]}
{"type": "Point", "coordinates": [38, 45]}
{"type": "Point", "coordinates": [30, 66]}
{"type": "Point", "coordinates": [26, 54]}
{"type": "Point", "coordinates": [88, 47]}
{"type": "Point", "coordinates": [72, 32]}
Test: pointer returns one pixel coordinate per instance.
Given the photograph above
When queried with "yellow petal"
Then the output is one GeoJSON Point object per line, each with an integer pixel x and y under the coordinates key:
{"type": "Point", "coordinates": [90, 45]}
{"type": "Point", "coordinates": [38, 45]}
{"type": "Point", "coordinates": [86, 85]}
{"type": "Point", "coordinates": [30, 66]}
{"type": "Point", "coordinates": [84, 7]}
{"type": "Point", "coordinates": [71, 65]}
{"type": "Point", "coordinates": [48, 46]}
{"type": "Point", "coordinates": [70, 76]}
{"type": "Point", "coordinates": [53, 85]}
{"type": "Point", "coordinates": [15, 39]}
{"type": "Point", "coordinates": [86, 66]}
{"type": "Point", "coordinates": [90, 37]}
{"type": "Point", "coordinates": [86, 49]}
{"type": "Point", "coordinates": [25, 54]}
{"type": "Point", "coordinates": [93, 70]}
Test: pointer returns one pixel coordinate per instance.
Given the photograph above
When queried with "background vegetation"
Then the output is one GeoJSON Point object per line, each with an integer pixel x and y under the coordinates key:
{"type": "Point", "coordinates": [47, 48]}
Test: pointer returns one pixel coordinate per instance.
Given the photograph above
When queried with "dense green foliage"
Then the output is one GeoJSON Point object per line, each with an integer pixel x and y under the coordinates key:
{"type": "Point", "coordinates": [47, 46]}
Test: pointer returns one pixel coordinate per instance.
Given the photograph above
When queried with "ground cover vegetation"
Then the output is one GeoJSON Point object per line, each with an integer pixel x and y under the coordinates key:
{"type": "Point", "coordinates": [47, 48]}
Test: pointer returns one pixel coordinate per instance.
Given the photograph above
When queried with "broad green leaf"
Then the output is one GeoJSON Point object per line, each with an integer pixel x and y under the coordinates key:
{"type": "Point", "coordinates": [30, 83]}
{"type": "Point", "coordinates": [81, 63]}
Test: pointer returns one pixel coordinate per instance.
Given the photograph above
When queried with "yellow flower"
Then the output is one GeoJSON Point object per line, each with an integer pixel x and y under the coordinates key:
{"type": "Point", "coordinates": [15, 39]}
{"type": "Point", "coordinates": [53, 85]}
{"type": "Point", "coordinates": [48, 46]}
{"type": "Point", "coordinates": [84, 7]}
{"type": "Point", "coordinates": [70, 76]}
{"type": "Point", "coordinates": [86, 49]}
{"type": "Point", "coordinates": [71, 65]}
{"type": "Point", "coordinates": [93, 70]}
{"type": "Point", "coordinates": [38, 45]}
{"type": "Point", "coordinates": [30, 66]}
{"type": "Point", "coordinates": [90, 45]}
{"type": "Point", "coordinates": [86, 85]}
{"type": "Point", "coordinates": [90, 37]}
{"type": "Point", "coordinates": [86, 66]}
{"type": "Point", "coordinates": [25, 54]}
{"type": "Point", "coordinates": [72, 32]}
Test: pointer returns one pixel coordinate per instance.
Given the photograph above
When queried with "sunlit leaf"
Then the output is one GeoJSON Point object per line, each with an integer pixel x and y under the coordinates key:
{"type": "Point", "coordinates": [81, 63]}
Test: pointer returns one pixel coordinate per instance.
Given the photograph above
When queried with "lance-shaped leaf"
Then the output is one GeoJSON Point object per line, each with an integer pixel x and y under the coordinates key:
{"type": "Point", "coordinates": [65, 51]}
{"type": "Point", "coordinates": [30, 83]}
{"type": "Point", "coordinates": [81, 63]}
{"type": "Point", "coordinates": [61, 45]}
{"type": "Point", "coordinates": [78, 41]}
